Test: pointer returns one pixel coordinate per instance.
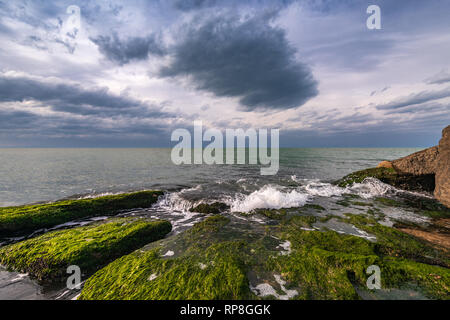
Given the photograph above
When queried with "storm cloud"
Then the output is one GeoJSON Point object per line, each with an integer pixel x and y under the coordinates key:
{"type": "Point", "coordinates": [130, 49]}
{"type": "Point", "coordinates": [249, 59]}
{"type": "Point", "coordinates": [74, 98]}
{"type": "Point", "coordinates": [187, 5]}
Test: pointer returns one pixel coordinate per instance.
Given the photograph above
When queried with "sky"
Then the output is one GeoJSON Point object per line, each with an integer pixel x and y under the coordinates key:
{"type": "Point", "coordinates": [113, 73]}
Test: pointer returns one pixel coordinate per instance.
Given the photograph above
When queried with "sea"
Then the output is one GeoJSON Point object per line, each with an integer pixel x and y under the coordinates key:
{"type": "Point", "coordinates": [305, 176]}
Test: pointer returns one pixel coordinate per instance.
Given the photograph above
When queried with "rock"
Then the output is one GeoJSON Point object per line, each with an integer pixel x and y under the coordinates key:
{"type": "Point", "coordinates": [91, 247]}
{"type": "Point", "coordinates": [385, 164]}
{"type": "Point", "coordinates": [442, 191]}
{"type": "Point", "coordinates": [420, 163]}
{"type": "Point", "coordinates": [214, 208]}
{"type": "Point", "coordinates": [224, 259]}
{"type": "Point", "coordinates": [404, 181]}
{"type": "Point", "coordinates": [26, 219]}
{"type": "Point", "coordinates": [431, 168]}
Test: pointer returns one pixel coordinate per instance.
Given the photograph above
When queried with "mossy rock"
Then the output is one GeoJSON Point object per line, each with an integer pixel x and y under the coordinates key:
{"type": "Point", "coordinates": [328, 265]}
{"type": "Point", "coordinates": [216, 260]}
{"type": "Point", "coordinates": [25, 219]}
{"type": "Point", "coordinates": [214, 208]}
{"type": "Point", "coordinates": [423, 206]}
{"type": "Point", "coordinates": [276, 214]}
{"type": "Point", "coordinates": [208, 269]}
{"type": "Point", "coordinates": [47, 257]}
{"type": "Point", "coordinates": [392, 242]}
{"type": "Point", "coordinates": [391, 177]}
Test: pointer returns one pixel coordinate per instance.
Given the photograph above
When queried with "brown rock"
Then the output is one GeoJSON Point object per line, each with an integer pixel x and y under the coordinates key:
{"type": "Point", "coordinates": [385, 164]}
{"type": "Point", "coordinates": [420, 163]}
{"type": "Point", "coordinates": [441, 240]}
{"type": "Point", "coordinates": [442, 191]}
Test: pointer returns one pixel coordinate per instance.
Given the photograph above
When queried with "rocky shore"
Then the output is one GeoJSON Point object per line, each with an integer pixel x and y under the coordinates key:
{"type": "Point", "coordinates": [426, 170]}
{"type": "Point", "coordinates": [309, 252]}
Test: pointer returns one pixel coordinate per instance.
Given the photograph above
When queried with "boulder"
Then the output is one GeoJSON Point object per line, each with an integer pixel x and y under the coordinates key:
{"type": "Point", "coordinates": [385, 164]}
{"type": "Point", "coordinates": [420, 163]}
{"type": "Point", "coordinates": [442, 191]}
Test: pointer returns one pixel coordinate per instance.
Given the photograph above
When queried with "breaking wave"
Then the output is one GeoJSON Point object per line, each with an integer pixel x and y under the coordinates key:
{"type": "Point", "coordinates": [269, 197]}
{"type": "Point", "coordinates": [369, 188]}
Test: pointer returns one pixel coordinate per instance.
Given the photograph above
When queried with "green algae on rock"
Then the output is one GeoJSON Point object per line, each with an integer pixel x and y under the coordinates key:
{"type": "Point", "coordinates": [91, 247]}
{"type": "Point", "coordinates": [328, 265]}
{"type": "Point", "coordinates": [391, 177]}
{"type": "Point", "coordinates": [25, 219]}
{"type": "Point", "coordinates": [423, 206]}
{"type": "Point", "coordinates": [392, 242]}
{"type": "Point", "coordinates": [216, 259]}
{"type": "Point", "coordinates": [206, 270]}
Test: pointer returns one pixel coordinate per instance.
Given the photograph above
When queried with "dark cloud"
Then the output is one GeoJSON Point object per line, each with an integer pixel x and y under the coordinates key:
{"type": "Point", "coordinates": [187, 5]}
{"type": "Point", "coordinates": [191, 5]}
{"type": "Point", "coordinates": [415, 98]}
{"type": "Point", "coordinates": [23, 128]}
{"type": "Point", "coordinates": [11, 119]}
{"type": "Point", "coordinates": [75, 99]}
{"type": "Point", "coordinates": [130, 49]}
{"type": "Point", "coordinates": [248, 59]}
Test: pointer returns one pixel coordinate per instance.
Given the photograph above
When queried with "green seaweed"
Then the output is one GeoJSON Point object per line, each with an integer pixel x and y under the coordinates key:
{"type": "Point", "coordinates": [91, 247]}
{"type": "Point", "coordinates": [328, 265]}
{"type": "Point", "coordinates": [392, 242]}
{"type": "Point", "coordinates": [383, 174]}
{"type": "Point", "coordinates": [215, 260]}
{"type": "Point", "coordinates": [390, 176]}
{"type": "Point", "coordinates": [207, 269]}
{"type": "Point", "coordinates": [26, 219]}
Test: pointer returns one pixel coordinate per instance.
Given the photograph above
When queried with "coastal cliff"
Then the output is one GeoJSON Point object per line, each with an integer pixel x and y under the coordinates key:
{"type": "Point", "coordinates": [431, 165]}
{"type": "Point", "coordinates": [442, 191]}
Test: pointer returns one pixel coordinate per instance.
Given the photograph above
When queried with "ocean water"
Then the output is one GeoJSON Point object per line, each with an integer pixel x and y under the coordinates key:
{"type": "Point", "coordinates": [305, 177]}
{"type": "Point", "coordinates": [38, 175]}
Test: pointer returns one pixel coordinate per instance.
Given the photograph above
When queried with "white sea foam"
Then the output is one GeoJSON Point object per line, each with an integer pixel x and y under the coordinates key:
{"type": "Point", "coordinates": [99, 195]}
{"type": "Point", "coordinates": [169, 254]}
{"type": "Point", "coordinates": [152, 277]}
{"type": "Point", "coordinates": [19, 277]}
{"type": "Point", "coordinates": [174, 203]}
{"type": "Point", "coordinates": [322, 189]}
{"type": "Point", "coordinates": [76, 297]}
{"type": "Point", "coordinates": [269, 197]}
{"type": "Point", "coordinates": [286, 246]}
{"type": "Point", "coordinates": [369, 188]}
{"type": "Point", "coordinates": [265, 289]}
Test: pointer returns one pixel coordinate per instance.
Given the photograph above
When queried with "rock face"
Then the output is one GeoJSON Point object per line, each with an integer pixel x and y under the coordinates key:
{"type": "Point", "coordinates": [442, 191]}
{"type": "Point", "coordinates": [385, 164]}
{"type": "Point", "coordinates": [420, 163]}
{"type": "Point", "coordinates": [430, 166]}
